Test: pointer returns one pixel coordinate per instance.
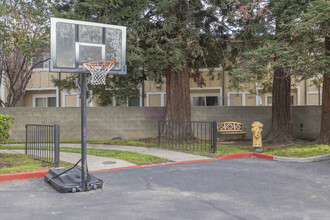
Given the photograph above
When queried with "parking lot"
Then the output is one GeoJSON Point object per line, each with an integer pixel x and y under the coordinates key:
{"type": "Point", "coordinates": [223, 189]}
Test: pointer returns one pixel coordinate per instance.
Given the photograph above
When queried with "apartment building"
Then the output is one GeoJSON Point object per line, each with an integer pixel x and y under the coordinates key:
{"type": "Point", "coordinates": [40, 92]}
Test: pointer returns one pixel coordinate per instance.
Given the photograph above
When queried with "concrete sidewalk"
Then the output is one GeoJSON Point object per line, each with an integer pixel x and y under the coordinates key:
{"type": "Point", "coordinates": [94, 162]}
{"type": "Point", "coordinates": [167, 154]}
{"type": "Point", "coordinates": [100, 163]}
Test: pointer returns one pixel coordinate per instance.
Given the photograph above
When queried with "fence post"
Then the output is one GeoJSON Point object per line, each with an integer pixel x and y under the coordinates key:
{"type": "Point", "coordinates": [57, 144]}
{"type": "Point", "coordinates": [214, 136]}
{"type": "Point", "coordinates": [158, 133]}
{"type": "Point", "coordinates": [26, 138]}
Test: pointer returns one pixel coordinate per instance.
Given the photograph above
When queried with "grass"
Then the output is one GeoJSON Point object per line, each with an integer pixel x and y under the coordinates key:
{"type": "Point", "coordinates": [136, 158]}
{"type": "Point", "coordinates": [14, 163]}
{"type": "Point", "coordinates": [300, 150]}
{"type": "Point", "coordinates": [111, 142]}
{"type": "Point", "coordinates": [295, 151]}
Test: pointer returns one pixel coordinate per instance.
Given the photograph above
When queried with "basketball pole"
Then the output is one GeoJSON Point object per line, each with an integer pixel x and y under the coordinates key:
{"type": "Point", "coordinates": [83, 133]}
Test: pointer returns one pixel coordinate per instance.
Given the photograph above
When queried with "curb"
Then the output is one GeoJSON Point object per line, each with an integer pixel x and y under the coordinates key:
{"type": "Point", "coordinates": [302, 160]}
{"type": "Point", "coordinates": [22, 175]}
{"type": "Point", "coordinates": [246, 155]}
{"type": "Point", "coordinates": [42, 173]}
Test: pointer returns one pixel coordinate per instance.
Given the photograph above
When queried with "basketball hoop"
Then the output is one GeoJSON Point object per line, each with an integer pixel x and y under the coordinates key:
{"type": "Point", "coordinates": [99, 70]}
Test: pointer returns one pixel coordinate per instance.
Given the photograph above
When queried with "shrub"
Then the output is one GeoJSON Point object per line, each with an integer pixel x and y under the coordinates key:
{"type": "Point", "coordinates": [5, 124]}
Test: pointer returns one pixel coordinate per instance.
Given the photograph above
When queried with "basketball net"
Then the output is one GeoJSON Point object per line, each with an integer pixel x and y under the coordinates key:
{"type": "Point", "coordinates": [99, 70]}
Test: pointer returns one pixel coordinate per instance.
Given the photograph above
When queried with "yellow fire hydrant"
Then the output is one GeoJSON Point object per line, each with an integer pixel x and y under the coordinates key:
{"type": "Point", "coordinates": [257, 139]}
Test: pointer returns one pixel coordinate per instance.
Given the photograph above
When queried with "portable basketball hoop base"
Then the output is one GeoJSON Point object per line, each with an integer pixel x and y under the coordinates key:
{"type": "Point", "coordinates": [81, 47]}
{"type": "Point", "coordinates": [76, 179]}
{"type": "Point", "coordinates": [70, 180]}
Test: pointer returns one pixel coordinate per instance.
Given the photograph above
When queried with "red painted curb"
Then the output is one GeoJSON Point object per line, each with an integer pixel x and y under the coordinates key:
{"type": "Point", "coordinates": [264, 156]}
{"type": "Point", "coordinates": [23, 175]}
{"type": "Point", "coordinates": [236, 156]}
{"type": "Point", "coordinates": [42, 173]}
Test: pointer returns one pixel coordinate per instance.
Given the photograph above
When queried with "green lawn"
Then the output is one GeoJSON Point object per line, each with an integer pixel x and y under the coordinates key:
{"type": "Point", "coordinates": [300, 150]}
{"type": "Point", "coordinates": [295, 151]}
{"type": "Point", "coordinates": [14, 163]}
{"type": "Point", "coordinates": [136, 158]}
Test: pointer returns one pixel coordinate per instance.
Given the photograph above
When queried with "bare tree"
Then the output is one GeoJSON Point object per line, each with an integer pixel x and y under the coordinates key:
{"type": "Point", "coordinates": [24, 33]}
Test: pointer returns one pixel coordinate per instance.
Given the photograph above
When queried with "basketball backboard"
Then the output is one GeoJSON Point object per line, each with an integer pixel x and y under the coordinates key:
{"type": "Point", "coordinates": [73, 42]}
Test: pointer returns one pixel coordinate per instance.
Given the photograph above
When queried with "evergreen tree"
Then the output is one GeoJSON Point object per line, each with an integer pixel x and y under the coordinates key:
{"type": "Point", "coordinates": [310, 33]}
{"type": "Point", "coordinates": [269, 55]}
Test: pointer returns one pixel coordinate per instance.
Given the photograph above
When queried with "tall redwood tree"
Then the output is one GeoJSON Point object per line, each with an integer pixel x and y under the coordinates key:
{"type": "Point", "coordinates": [324, 137]}
{"type": "Point", "coordinates": [310, 37]}
{"type": "Point", "coordinates": [267, 55]}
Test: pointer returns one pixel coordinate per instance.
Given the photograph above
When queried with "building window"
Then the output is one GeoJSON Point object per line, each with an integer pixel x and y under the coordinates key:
{"type": "Point", "coordinates": [44, 66]}
{"type": "Point", "coordinates": [205, 101]}
{"type": "Point", "coordinates": [44, 101]}
{"type": "Point", "coordinates": [269, 100]}
{"type": "Point", "coordinates": [134, 101]}
{"type": "Point", "coordinates": [198, 101]}
{"type": "Point", "coordinates": [212, 100]}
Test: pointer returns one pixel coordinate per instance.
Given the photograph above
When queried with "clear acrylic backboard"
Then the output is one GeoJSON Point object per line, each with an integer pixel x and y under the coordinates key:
{"type": "Point", "coordinates": [73, 42]}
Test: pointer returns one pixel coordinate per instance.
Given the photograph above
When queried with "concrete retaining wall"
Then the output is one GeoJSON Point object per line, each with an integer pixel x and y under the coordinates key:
{"type": "Point", "coordinates": [307, 116]}
{"type": "Point", "coordinates": [141, 122]}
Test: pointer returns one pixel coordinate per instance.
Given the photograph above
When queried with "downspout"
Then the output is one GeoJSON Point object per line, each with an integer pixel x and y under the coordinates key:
{"type": "Point", "coordinates": [306, 96]}
{"type": "Point", "coordinates": [2, 89]}
{"type": "Point", "coordinates": [319, 93]}
{"type": "Point", "coordinates": [223, 84]}
{"type": "Point", "coordinates": [142, 93]}
{"type": "Point", "coordinates": [59, 91]}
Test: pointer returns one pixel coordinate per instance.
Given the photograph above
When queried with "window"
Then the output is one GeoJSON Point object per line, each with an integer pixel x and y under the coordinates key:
{"type": "Point", "coordinates": [44, 101]}
{"type": "Point", "coordinates": [198, 101]}
{"type": "Point", "coordinates": [212, 100]}
{"type": "Point", "coordinates": [120, 102]}
{"type": "Point", "coordinates": [43, 65]}
{"type": "Point", "coordinates": [205, 101]}
{"type": "Point", "coordinates": [269, 100]}
{"type": "Point", "coordinates": [134, 101]}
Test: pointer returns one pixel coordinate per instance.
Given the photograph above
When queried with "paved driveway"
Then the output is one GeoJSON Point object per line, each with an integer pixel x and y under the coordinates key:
{"type": "Point", "coordinates": [223, 189]}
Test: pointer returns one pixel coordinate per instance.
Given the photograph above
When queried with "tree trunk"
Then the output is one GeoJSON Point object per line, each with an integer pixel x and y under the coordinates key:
{"type": "Point", "coordinates": [177, 95]}
{"type": "Point", "coordinates": [282, 126]}
{"type": "Point", "coordinates": [324, 137]}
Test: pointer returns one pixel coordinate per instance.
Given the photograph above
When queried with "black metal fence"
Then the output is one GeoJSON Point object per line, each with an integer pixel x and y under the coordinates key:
{"type": "Point", "coordinates": [188, 135]}
{"type": "Point", "coordinates": [43, 142]}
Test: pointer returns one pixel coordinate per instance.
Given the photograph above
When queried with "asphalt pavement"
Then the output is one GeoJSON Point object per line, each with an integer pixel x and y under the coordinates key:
{"type": "Point", "coordinates": [247, 188]}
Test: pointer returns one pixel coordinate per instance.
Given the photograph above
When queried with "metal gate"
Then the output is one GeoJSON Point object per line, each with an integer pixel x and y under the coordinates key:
{"type": "Point", "coordinates": [43, 142]}
{"type": "Point", "coordinates": [188, 135]}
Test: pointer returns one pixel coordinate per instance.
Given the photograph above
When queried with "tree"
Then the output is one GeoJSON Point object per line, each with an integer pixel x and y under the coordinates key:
{"type": "Point", "coordinates": [24, 33]}
{"type": "Point", "coordinates": [168, 40]}
{"type": "Point", "coordinates": [267, 55]}
{"type": "Point", "coordinates": [310, 37]}
{"type": "Point", "coordinates": [175, 35]}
